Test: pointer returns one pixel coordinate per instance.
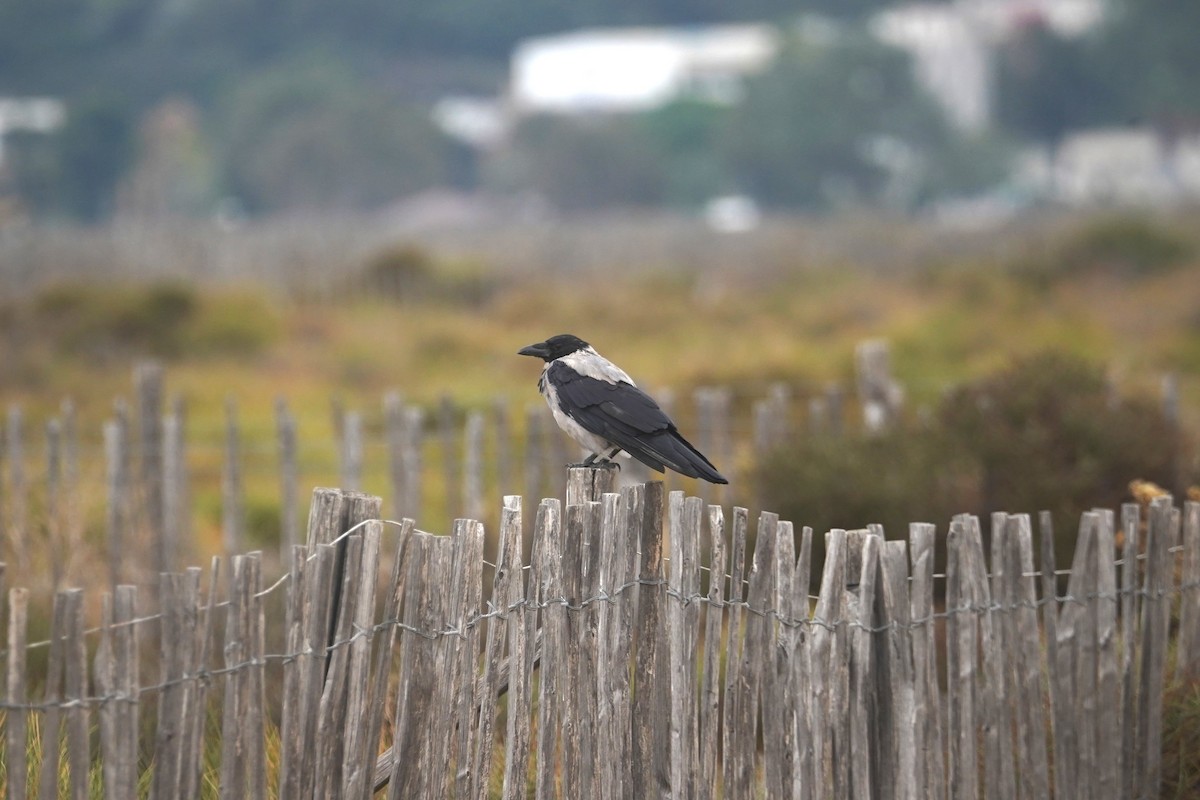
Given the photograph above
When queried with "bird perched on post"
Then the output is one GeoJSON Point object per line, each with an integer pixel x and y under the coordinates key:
{"type": "Point", "coordinates": [599, 406]}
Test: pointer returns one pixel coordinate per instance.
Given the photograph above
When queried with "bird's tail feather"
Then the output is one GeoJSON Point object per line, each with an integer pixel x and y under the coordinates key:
{"type": "Point", "coordinates": [669, 449]}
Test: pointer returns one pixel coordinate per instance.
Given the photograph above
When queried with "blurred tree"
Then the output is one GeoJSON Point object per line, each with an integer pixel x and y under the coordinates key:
{"type": "Point", "coordinates": [39, 41]}
{"type": "Point", "coordinates": [94, 148]}
{"type": "Point", "coordinates": [1047, 433]}
{"type": "Point", "coordinates": [831, 124]}
{"type": "Point", "coordinates": [1047, 85]}
{"type": "Point", "coordinates": [1149, 55]}
{"type": "Point", "coordinates": [584, 163]}
{"type": "Point", "coordinates": [685, 134]}
{"type": "Point", "coordinates": [311, 136]}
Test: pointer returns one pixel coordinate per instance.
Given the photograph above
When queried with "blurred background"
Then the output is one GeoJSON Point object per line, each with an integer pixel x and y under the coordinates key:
{"type": "Point", "coordinates": [321, 205]}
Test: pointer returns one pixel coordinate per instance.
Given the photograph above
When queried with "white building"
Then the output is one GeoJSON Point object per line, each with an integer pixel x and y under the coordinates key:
{"type": "Point", "coordinates": [636, 69]}
{"type": "Point", "coordinates": [950, 58]}
{"type": "Point", "coordinates": [37, 114]}
{"type": "Point", "coordinates": [1125, 166]}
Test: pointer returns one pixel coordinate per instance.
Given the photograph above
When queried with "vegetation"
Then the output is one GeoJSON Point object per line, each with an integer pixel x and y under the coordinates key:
{"type": "Point", "coordinates": [1181, 729]}
{"type": "Point", "coordinates": [1047, 433]}
{"type": "Point", "coordinates": [432, 325]}
{"type": "Point", "coordinates": [1007, 378]}
{"type": "Point", "coordinates": [301, 106]}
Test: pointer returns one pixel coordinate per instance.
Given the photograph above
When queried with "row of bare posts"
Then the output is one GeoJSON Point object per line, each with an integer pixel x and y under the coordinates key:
{"type": "Point", "coordinates": [650, 647]}
{"type": "Point", "coordinates": [149, 483]}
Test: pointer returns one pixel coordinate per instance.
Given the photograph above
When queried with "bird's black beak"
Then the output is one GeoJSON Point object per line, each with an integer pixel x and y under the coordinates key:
{"type": "Point", "coordinates": [539, 350]}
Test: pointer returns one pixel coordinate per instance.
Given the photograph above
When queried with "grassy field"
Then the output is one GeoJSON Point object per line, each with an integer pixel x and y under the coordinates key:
{"type": "Point", "coordinates": [428, 321]}
{"type": "Point", "coordinates": [432, 322]}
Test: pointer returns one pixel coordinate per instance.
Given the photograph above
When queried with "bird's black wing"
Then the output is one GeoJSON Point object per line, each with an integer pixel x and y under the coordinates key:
{"type": "Point", "coordinates": [629, 418]}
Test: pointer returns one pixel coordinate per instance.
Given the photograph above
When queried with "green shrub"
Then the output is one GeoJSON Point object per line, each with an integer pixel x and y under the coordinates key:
{"type": "Point", "coordinates": [1131, 246]}
{"type": "Point", "coordinates": [232, 324]}
{"type": "Point", "coordinates": [1128, 247]}
{"type": "Point", "coordinates": [166, 320]}
{"type": "Point", "coordinates": [105, 321]}
{"type": "Point", "coordinates": [407, 273]}
{"type": "Point", "coordinates": [402, 272]}
{"type": "Point", "coordinates": [1181, 731]}
{"type": "Point", "coordinates": [1045, 434]}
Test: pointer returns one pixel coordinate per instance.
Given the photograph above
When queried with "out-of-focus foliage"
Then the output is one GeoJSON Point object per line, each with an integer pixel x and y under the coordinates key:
{"type": "Point", "coordinates": [166, 320]}
{"type": "Point", "coordinates": [832, 124]}
{"type": "Point", "coordinates": [1181, 731]}
{"type": "Point", "coordinates": [586, 163]}
{"type": "Point", "coordinates": [1128, 247]}
{"type": "Point", "coordinates": [1048, 433]}
{"type": "Point", "coordinates": [838, 123]}
{"type": "Point", "coordinates": [407, 273]}
{"type": "Point", "coordinates": [1139, 67]}
{"type": "Point", "coordinates": [311, 136]}
{"type": "Point", "coordinates": [1047, 85]}
{"type": "Point", "coordinates": [76, 170]}
{"type": "Point", "coordinates": [829, 126]}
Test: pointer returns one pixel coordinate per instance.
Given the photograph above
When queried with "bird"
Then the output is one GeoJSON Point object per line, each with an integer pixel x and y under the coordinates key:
{"type": "Point", "coordinates": [599, 406]}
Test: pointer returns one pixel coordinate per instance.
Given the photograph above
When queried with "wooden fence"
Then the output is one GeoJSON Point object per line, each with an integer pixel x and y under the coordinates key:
{"type": "Point", "coordinates": [139, 482]}
{"type": "Point", "coordinates": [430, 463]}
{"type": "Point", "coordinates": [651, 647]}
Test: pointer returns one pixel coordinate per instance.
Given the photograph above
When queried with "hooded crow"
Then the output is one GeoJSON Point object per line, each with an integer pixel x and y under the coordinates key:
{"type": "Point", "coordinates": [599, 406]}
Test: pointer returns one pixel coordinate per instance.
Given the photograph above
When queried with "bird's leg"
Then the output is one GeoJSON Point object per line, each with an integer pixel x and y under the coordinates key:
{"type": "Point", "coordinates": [608, 462]}
{"type": "Point", "coordinates": [590, 461]}
{"type": "Point", "coordinates": [605, 463]}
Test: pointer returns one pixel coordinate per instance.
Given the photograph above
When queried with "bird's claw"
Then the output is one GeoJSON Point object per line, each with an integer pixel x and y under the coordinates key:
{"type": "Point", "coordinates": [596, 465]}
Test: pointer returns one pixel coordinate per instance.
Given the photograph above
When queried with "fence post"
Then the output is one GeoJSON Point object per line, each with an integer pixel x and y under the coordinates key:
{"type": "Point", "coordinates": [733, 743]}
{"type": "Point", "coordinates": [1188, 649]}
{"type": "Point", "coordinates": [1032, 755]}
{"type": "Point", "coordinates": [506, 483]}
{"type": "Point", "coordinates": [52, 694]}
{"type": "Point", "coordinates": [930, 759]}
{"type": "Point", "coordinates": [289, 479]}
{"type": "Point", "coordinates": [54, 499]}
{"type": "Point", "coordinates": [472, 500]}
{"type": "Point", "coordinates": [16, 720]}
{"type": "Point", "coordinates": [1108, 690]}
{"type": "Point", "coordinates": [864, 704]}
{"type": "Point", "coordinates": [72, 513]}
{"type": "Point", "coordinates": [174, 510]}
{"type": "Point", "coordinates": [452, 490]}
{"type": "Point", "coordinates": [897, 680]}
{"type": "Point", "coordinates": [878, 392]}
{"type": "Point", "coordinates": [683, 616]}
{"type": "Point", "coordinates": [18, 491]}
{"type": "Point", "coordinates": [1156, 611]}
{"type": "Point", "coordinates": [510, 590]}
{"type": "Point", "coordinates": [148, 388]}
{"type": "Point", "coordinates": [547, 581]}
{"type": "Point", "coordinates": [393, 437]}
{"type": "Point", "coordinates": [382, 663]}
{"type": "Point", "coordinates": [351, 451]}
{"type": "Point", "coordinates": [779, 704]}
{"type": "Point", "coordinates": [231, 483]}
{"type": "Point", "coordinates": [709, 723]}
{"type": "Point", "coordinates": [414, 438]}
{"type": "Point", "coordinates": [961, 645]}
{"type": "Point", "coordinates": [651, 700]}
{"type": "Point", "coordinates": [415, 771]}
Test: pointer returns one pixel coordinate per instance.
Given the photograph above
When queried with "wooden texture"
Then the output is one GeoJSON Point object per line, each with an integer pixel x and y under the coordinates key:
{"type": "Point", "coordinates": [16, 693]}
{"type": "Point", "coordinates": [649, 649]}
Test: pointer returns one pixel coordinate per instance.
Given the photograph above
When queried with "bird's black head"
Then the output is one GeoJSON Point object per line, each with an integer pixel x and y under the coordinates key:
{"type": "Point", "coordinates": [555, 347]}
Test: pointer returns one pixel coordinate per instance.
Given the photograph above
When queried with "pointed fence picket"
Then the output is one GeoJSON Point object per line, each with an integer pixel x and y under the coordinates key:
{"type": "Point", "coordinates": [651, 647]}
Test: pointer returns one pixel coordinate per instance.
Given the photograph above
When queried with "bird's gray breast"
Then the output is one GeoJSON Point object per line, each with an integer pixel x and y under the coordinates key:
{"type": "Point", "coordinates": [588, 440]}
